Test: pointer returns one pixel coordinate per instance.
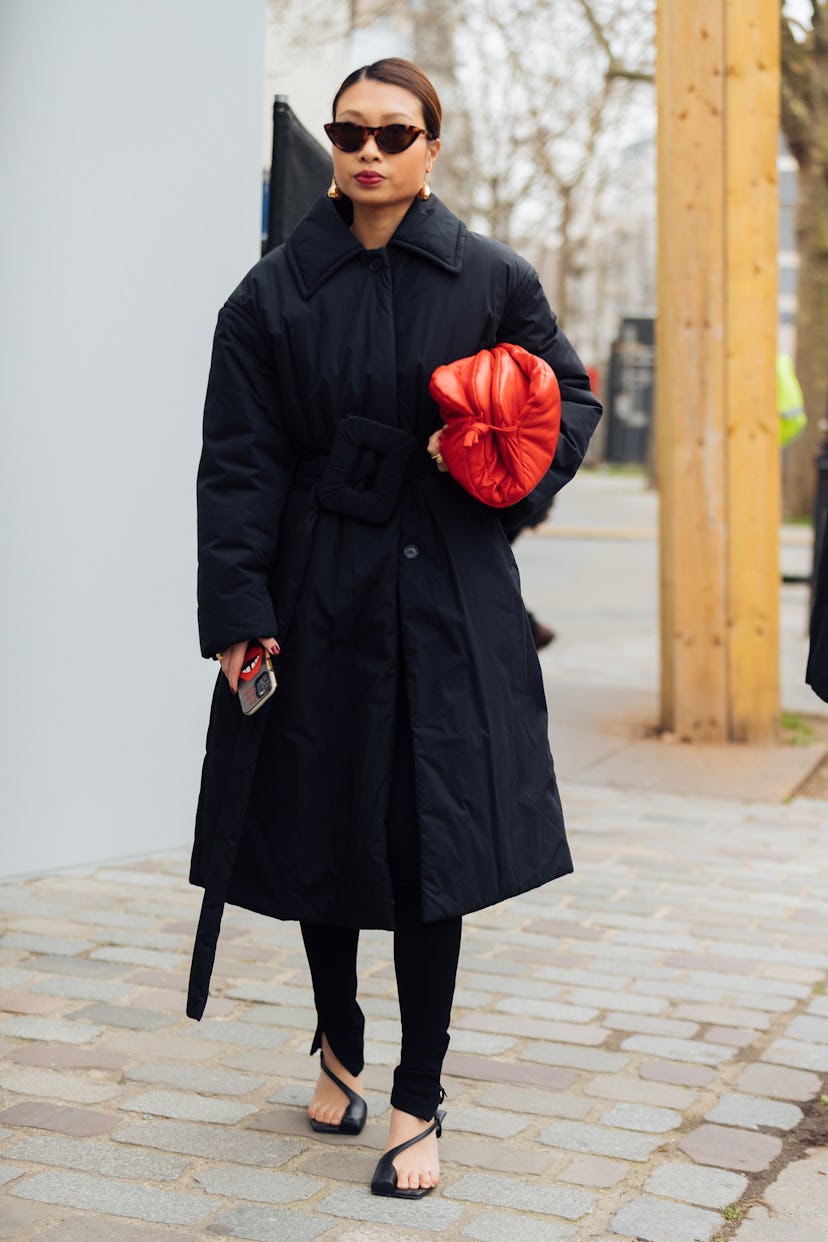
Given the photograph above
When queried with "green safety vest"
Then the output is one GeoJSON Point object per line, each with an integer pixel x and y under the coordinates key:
{"type": "Point", "coordinates": [792, 419]}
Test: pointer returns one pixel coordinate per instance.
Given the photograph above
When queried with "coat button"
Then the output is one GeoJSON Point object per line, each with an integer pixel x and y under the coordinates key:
{"type": "Point", "coordinates": [375, 265]}
{"type": "Point", "coordinates": [410, 551]}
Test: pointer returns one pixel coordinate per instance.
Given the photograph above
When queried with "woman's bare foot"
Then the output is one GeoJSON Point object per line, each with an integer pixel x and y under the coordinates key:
{"type": "Point", "coordinates": [329, 1103]}
{"type": "Point", "coordinates": [418, 1167]}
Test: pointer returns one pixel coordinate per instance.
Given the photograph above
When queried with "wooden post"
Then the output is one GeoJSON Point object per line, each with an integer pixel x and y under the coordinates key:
{"type": "Point", "coordinates": [718, 85]}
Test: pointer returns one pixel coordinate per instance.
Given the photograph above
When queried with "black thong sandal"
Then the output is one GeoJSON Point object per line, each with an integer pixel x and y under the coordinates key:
{"type": "Point", "coordinates": [354, 1116]}
{"type": "Point", "coordinates": [384, 1181]}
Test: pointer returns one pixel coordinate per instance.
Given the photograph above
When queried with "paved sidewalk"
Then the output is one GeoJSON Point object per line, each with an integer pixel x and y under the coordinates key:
{"type": "Point", "coordinates": [592, 574]}
{"type": "Point", "coordinates": [638, 1051]}
{"type": "Point", "coordinates": [629, 1046]}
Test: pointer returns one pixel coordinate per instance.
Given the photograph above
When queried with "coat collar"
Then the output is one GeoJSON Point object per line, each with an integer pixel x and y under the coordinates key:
{"type": "Point", "coordinates": [322, 242]}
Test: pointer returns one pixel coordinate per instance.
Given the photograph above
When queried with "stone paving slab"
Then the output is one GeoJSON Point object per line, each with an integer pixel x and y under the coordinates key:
{"type": "Point", "coordinates": [122, 1015]}
{"type": "Point", "coordinates": [52, 1030]}
{"type": "Point", "coordinates": [265, 1224]}
{"type": "Point", "coordinates": [18, 1218]}
{"type": "Point", "coordinates": [677, 1073]}
{"type": "Point", "coordinates": [751, 1112]}
{"type": "Point", "coordinates": [199, 1078]}
{"type": "Point", "coordinates": [722, 771]}
{"type": "Point", "coordinates": [642, 1117]}
{"type": "Point", "coordinates": [629, 1047]}
{"type": "Point", "coordinates": [713, 1188]}
{"type": "Point", "coordinates": [88, 1228]}
{"type": "Point", "coordinates": [188, 1107]}
{"type": "Point", "coordinates": [542, 1103]}
{"type": "Point", "coordinates": [10, 977]}
{"type": "Point", "coordinates": [507, 1071]}
{"type": "Point", "coordinates": [16, 1000]}
{"type": "Point", "coordinates": [678, 1049]}
{"type": "Point", "coordinates": [564, 1201]}
{"type": "Point", "coordinates": [730, 1148]}
{"type": "Point", "coordinates": [654, 1220]}
{"type": "Point", "coordinates": [635, 1091]}
{"type": "Point", "coordinates": [491, 1122]}
{"type": "Point", "coordinates": [505, 1226]}
{"type": "Point", "coordinates": [798, 1055]}
{"type": "Point", "coordinates": [118, 1198]}
{"type": "Point", "coordinates": [262, 1185]}
{"type": "Point", "coordinates": [430, 1215]}
{"type": "Point", "coordinates": [45, 944]}
{"type": "Point", "coordinates": [81, 967]}
{"type": "Point", "coordinates": [597, 1171]}
{"type": "Point", "coordinates": [599, 1140]}
{"type": "Point", "coordinates": [795, 1205]}
{"type": "Point", "coordinates": [465, 1149]}
{"type": "Point", "coordinates": [190, 1138]}
{"type": "Point", "coordinates": [779, 1082]}
{"type": "Point", "coordinates": [97, 1157]}
{"type": "Point", "coordinates": [533, 1028]}
{"type": "Point", "coordinates": [570, 1056]}
{"type": "Point", "coordinates": [248, 1034]}
{"type": "Point", "coordinates": [59, 1086]}
{"type": "Point", "coordinates": [178, 1045]}
{"type": "Point", "coordinates": [82, 988]}
{"type": "Point", "coordinates": [58, 1118]}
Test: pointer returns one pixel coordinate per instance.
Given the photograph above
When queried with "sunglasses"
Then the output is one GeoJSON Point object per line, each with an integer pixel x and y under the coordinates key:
{"type": "Point", "coordinates": [391, 139]}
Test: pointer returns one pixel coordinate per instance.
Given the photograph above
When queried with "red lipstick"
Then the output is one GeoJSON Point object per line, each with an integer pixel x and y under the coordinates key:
{"type": "Point", "coordinates": [369, 178]}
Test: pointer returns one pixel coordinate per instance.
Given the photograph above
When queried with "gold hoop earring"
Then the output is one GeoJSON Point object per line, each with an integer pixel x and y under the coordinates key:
{"type": "Point", "coordinates": [334, 190]}
{"type": "Point", "coordinates": [424, 191]}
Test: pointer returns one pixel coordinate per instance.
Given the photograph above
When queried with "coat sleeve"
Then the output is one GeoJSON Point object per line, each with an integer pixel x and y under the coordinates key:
{"type": "Point", "coordinates": [528, 321]}
{"type": "Point", "coordinates": [243, 479]}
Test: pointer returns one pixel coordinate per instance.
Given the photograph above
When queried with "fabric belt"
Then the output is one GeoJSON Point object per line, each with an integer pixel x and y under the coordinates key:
{"type": "Point", "coordinates": [365, 472]}
{"type": "Point", "coordinates": [309, 470]}
{"type": "Point", "coordinates": [239, 783]}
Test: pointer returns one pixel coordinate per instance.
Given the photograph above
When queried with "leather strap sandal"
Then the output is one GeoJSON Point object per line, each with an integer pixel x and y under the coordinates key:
{"type": "Point", "coordinates": [384, 1181]}
{"type": "Point", "coordinates": [353, 1119]}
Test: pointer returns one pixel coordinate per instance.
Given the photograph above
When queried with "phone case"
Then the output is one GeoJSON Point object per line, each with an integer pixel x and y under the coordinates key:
{"type": "Point", "coordinates": [257, 680]}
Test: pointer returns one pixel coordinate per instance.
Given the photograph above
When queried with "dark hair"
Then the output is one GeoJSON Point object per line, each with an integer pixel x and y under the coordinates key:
{"type": "Point", "coordinates": [397, 72]}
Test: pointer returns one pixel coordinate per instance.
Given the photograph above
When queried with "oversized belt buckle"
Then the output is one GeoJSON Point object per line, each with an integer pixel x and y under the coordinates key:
{"type": "Point", "coordinates": [366, 470]}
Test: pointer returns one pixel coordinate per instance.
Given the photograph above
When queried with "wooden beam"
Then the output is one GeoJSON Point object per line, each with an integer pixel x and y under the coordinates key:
{"type": "Point", "coordinates": [751, 210]}
{"type": "Point", "coordinates": [690, 366]}
{"type": "Point", "coordinates": [717, 435]}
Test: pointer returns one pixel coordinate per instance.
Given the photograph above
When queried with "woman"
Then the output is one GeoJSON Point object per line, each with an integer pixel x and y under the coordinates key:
{"type": "Point", "coordinates": [400, 777]}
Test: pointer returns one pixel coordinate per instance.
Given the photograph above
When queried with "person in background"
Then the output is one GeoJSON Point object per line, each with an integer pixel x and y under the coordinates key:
{"type": "Point", "coordinates": [789, 402]}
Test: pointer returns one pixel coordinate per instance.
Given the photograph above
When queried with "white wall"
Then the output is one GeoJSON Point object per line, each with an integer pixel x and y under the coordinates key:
{"type": "Point", "coordinates": [130, 139]}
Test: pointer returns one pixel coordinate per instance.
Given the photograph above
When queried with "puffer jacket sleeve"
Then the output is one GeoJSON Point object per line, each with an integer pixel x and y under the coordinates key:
{"type": "Point", "coordinates": [529, 321]}
{"type": "Point", "coordinates": [243, 479]}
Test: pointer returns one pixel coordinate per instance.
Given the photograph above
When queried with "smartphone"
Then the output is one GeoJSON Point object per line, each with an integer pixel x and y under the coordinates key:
{"type": "Point", "coordinates": [257, 680]}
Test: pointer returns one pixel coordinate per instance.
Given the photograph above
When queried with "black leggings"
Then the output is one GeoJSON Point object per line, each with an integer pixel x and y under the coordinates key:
{"type": "Point", "coordinates": [425, 959]}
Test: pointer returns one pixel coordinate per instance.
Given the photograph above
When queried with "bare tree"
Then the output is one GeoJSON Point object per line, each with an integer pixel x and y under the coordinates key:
{"type": "Point", "coordinates": [301, 27]}
{"type": "Point", "coordinates": [805, 123]}
{"type": "Point", "coordinates": [536, 95]}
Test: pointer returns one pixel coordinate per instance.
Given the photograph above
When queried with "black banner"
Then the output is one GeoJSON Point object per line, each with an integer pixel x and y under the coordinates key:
{"type": "Point", "coordinates": [300, 170]}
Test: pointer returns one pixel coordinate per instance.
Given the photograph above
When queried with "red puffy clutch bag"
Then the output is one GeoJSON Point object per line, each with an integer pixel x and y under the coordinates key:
{"type": "Point", "coordinates": [502, 410]}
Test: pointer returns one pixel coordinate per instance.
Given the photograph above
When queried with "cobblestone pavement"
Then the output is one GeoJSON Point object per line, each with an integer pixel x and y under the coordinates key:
{"type": "Point", "coordinates": [632, 1047]}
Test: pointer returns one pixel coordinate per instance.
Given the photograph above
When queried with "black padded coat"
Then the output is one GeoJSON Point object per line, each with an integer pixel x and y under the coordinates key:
{"type": "Point", "coordinates": [323, 522]}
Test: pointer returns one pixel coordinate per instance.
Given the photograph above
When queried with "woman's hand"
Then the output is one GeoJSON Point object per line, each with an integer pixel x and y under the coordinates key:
{"type": "Point", "coordinates": [433, 447]}
{"type": "Point", "coordinates": [232, 658]}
